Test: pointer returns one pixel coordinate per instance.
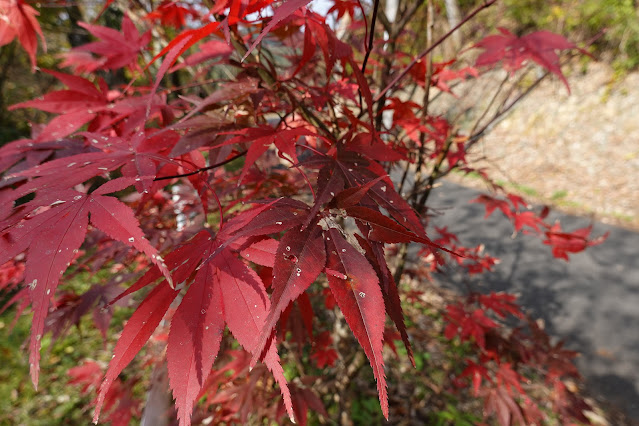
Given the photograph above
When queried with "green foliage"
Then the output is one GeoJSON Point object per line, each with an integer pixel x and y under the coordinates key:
{"type": "Point", "coordinates": [366, 411]}
{"type": "Point", "coordinates": [451, 415]}
{"type": "Point", "coordinates": [55, 403]}
{"type": "Point", "coordinates": [559, 195]}
{"type": "Point", "coordinates": [582, 20]}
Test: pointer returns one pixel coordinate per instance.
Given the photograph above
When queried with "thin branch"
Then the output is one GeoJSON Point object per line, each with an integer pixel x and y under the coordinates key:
{"type": "Point", "coordinates": [435, 174]}
{"type": "Point", "coordinates": [502, 112]}
{"type": "Point", "coordinates": [383, 19]}
{"type": "Point", "coordinates": [369, 46]}
{"type": "Point", "coordinates": [426, 100]}
{"type": "Point", "coordinates": [203, 169]}
{"type": "Point", "coordinates": [406, 17]}
{"type": "Point", "coordinates": [371, 35]}
{"type": "Point", "coordinates": [419, 57]}
{"type": "Point", "coordinates": [490, 104]}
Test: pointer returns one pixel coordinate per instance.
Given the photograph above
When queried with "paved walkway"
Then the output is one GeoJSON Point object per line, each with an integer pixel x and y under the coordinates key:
{"type": "Point", "coordinates": [592, 302]}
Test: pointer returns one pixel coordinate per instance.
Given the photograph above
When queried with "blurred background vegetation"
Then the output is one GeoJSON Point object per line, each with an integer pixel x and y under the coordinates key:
{"type": "Point", "coordinates": [581, 21]}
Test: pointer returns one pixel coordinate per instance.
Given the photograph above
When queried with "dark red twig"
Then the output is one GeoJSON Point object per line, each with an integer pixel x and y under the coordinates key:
{"type": "Point", "coordinates": [203, 169]}
{"type": "Point", "coordinates": [419, 57]}
{"type": "Point", "coordinates": [371, 36]}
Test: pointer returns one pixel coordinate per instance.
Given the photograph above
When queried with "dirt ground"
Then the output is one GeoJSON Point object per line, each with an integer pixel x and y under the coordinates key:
{"type": "Point", "coordinates": [578, 152]}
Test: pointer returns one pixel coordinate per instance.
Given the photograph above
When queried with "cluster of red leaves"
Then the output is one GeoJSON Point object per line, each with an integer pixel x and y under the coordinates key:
{"type": "Point", "coordinates": [136, 176]}
{"type": "Point", "coordinates": [540, 47]}
{"type": "Point", "coordinates": [172, 14]}
{"type": "Point", "coordinates": [118, 403]}
{"type": "Point", "coordinates": [502, 359]}
{"type": "Point", "coordinates": [561, 242]}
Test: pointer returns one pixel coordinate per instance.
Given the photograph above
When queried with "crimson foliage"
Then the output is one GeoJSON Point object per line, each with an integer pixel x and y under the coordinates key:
{"type": "Point", "coordinates": [244, 197]}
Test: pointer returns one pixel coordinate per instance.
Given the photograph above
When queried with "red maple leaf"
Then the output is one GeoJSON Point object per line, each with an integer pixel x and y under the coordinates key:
{"type": "Point", "coordinates": [224, 290]}
{"type": "Point", "coordinates": [442, 73]}
{"type": "Point", "coordinates": [343, 7]}
{"type": "Point", "coordinates": [18, 20]}
{"type": "Point", "coordinates": [508, 379]}
{"type": "Point", "coordinates": [299, 259]}
{"type": "Point", "coordinates": [171, 13]}
{"type": "Point", "coordinates": [375, 254]}
{"type": "Point", "coordinates": [361, 301]}
{"type": "Point", "coordinates": [500, 402]}
{"type": "Point", "coordinates": [118, 402]}
{"type": "Point", "coordinates": [467, 324]}
{"type": "Point", "coordinates": [115, 153]}
{"type": "Point", "coordinates": [517, 201]}
{"type": "Point", "coordinates": [563, 243]}
{"type": "Point", "coordinates": [117, 49]}
{"type": "Point", "coordinates": [280, 14]}
{"type": "Point", "coordinates": [501, 303]}
{"type": "Point", "coordinates": [476, 372]}
{"type": "Point", "coordinates": [513, 51]}
{"type": "Point", "coordinates": [81, 62]}
{"type": "Point", "coordinates": [261, 139]}
{"type": "Point", "coordinates": [526, 218]}
{"type": "Point", "coordinates": [54, 235]}
{"type": "Point", "coordinates": [491, 204]}
{"type": "Point", "coordinates": [206, 51]}
{"type": "Point", "coordinates": [323, 354]}
{"type": "Point", "coordinates": [249, 272]}
{"type": "Point", "coordinates": [78, 105]}
{"type": "Point", "coordinates": [136, 332]}
{"type": "Point", "coordinates": [261, 252]}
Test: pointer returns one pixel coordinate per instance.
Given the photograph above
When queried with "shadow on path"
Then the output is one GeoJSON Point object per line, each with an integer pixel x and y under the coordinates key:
{"type": "Point", "coordinates": [592, 302]}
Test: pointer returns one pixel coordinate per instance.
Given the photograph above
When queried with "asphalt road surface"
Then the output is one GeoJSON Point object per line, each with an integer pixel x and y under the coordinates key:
{"type": "Point", "coordinates": [592, 302]}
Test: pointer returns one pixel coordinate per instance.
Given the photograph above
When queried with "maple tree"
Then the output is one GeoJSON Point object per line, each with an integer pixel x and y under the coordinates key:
{"type": "Point", "coordinates": [257, 198]}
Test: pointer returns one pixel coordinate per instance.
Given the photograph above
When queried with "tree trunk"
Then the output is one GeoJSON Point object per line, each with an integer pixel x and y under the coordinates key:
{"type": "Point", "coordinates": [454, 17]}
{"type": "Point", "coordinates": [158, 407]}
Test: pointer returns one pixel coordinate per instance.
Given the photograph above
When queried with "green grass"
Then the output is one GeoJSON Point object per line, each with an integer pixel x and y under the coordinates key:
{"type": "Point", "coordinates": [623, 217]}
{"type": "Point", "coordinates": [451, 415]}
{"type": "Point", "coordinates": [55, 402]}
{"type": "Point", "coordinates": [526, 190]}
{"type": "Point", "coordinates": [559, 195]}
